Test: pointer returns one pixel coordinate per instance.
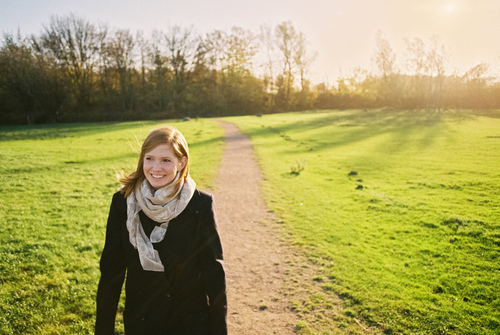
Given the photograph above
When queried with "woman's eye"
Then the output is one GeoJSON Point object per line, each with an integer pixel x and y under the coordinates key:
{"type": "Point", "coordinates": [148, 158]}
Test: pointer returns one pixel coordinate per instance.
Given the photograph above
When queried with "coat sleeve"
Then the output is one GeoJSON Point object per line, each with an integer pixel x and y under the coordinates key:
{"type": "Point", "coordinates": [113, 267]}
{"type": "Point", "coordinates": [212, 270]}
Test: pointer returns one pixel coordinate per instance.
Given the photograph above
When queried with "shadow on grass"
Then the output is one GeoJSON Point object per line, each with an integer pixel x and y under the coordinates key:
{"type": "Point", "coordinates": [64, 165]}
{"type": "Point", "coordinates": [362, 125]}
{"type": "Point", "coordinates": [52, 131]}
{"type": "Point", "coordinates": [214, 140]}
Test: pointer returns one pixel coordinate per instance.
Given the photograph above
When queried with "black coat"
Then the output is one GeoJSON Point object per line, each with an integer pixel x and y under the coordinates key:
{"type": "Point", "coordinates": [189, 298]}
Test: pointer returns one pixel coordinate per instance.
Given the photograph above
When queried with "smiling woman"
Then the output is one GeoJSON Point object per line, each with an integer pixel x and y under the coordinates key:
{"type": "Point", "coordinates": [162, 234]}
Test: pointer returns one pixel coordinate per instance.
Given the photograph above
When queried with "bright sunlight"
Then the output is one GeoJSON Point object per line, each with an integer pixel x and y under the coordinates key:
{"type": "Point", "coordinates": [450, 8]}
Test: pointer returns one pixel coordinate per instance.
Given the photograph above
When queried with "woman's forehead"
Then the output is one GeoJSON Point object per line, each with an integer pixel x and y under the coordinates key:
{"type": "Point", "coordinates": [162, 150]}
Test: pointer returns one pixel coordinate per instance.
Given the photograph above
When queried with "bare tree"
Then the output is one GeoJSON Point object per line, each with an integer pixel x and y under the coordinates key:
{"type": "Point", "coordinates": [143, 52]}
{"type": "Point", "coordinates": [159, 61]}
{"type": "Point", "coordinates": [57, 84]}
{"type": "Point", "coordinates": [239, 51]}
{"type": "Point", "coordinates": [120, 50]}
{"type": "Point", "coordinates": [181, 46]}
{"type": "Point", "coordinates": [214, 47]}
{"type": "Point", "coordinates": [385, 60]}
{"type": "Point", "coordinates": [210, 52]}
{"type": "Point", "coordinates": [268, 48]}
{"type": "Point", "coordinates": [426, 64]}
{"type": "Point", "coordinates": [437, 58]}
{"type": "Point", "coordinates": [416, 57]}
{"type": "Point", "coordinates": [267, 43]}
{"type": "Point", "coordinates": [303, 60]}
{"type": "Point", "coordinates": [286, 42]}
{"type": "Point", "coordinates": [75, 43]}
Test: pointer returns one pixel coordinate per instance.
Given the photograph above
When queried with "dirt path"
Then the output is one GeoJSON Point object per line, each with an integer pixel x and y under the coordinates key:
{"type": "Point", "coordinates": [255, 259]}
{"type": "Point", "coordinates": [264, 274]}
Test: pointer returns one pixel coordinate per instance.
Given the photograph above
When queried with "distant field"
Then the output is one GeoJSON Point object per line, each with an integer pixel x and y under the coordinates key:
{"type": "Point", "coordinates": [56, 183]}
{"type": "Point", "coordinates": [401, 211]}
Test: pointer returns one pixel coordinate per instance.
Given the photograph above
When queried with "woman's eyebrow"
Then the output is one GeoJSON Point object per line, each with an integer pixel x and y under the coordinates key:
{"type": "Point", "coordinates": [157, 156]}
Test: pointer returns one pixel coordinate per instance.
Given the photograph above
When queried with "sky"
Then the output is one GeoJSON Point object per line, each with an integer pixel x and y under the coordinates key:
{"type": "Point", "coordinates": [341, 32]}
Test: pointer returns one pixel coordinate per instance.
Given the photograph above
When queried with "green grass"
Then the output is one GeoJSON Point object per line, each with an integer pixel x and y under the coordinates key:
{"type": "Point", "coordinates": [410, 243]}
{"type": "Point", "coordinates": [400, 210]}
{"type": "Point", "coordinates": [56, 184]}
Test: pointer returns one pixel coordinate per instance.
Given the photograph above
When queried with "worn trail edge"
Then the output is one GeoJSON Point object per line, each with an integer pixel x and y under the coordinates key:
{"type": "Point", "coordinates": [255, 259]}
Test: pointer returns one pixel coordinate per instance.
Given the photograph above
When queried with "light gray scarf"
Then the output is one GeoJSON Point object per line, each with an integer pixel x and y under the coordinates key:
{"type": "Point", "coordinates": [158, 206]}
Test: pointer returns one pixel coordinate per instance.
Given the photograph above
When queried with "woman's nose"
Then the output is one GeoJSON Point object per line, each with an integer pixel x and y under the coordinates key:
{"type": "Point", "coordinates": [156, 165]}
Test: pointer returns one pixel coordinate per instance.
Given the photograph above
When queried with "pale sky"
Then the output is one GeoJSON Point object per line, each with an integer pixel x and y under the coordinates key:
{"type": "Point", "coordinates": [342, 32]}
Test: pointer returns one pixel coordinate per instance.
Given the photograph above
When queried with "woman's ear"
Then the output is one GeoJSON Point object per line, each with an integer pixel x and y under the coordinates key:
{"type": "Point", "coordinates": [182, 163]}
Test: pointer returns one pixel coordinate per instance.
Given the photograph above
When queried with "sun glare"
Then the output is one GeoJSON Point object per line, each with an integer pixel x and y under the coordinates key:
{"type": "Point", "coordinates": [450, 8]}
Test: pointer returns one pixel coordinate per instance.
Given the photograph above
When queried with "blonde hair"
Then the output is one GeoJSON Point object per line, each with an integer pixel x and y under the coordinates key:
{"type": "Point", "coordinates": [165, 135]}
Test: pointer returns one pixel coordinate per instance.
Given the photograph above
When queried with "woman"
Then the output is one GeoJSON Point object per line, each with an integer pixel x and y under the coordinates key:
{"type": "Point", "coordinates": [162, 233]}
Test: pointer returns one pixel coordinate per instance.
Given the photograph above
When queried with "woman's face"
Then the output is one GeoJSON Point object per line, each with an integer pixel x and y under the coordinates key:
{"type": "Point", "coordinates": [161, 165]}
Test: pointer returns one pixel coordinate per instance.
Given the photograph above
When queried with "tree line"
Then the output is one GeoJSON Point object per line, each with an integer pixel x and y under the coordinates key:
{"type": "Point", "coordinates": [418, 81]}
{"type": "Point", "coordinates": [75, 70]}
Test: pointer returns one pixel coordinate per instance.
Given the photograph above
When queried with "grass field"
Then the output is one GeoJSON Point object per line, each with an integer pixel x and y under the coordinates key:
{"type": "Point", "coordinates": [56, 184]}
{"type": "Point", "coordinates": [400, 210]}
